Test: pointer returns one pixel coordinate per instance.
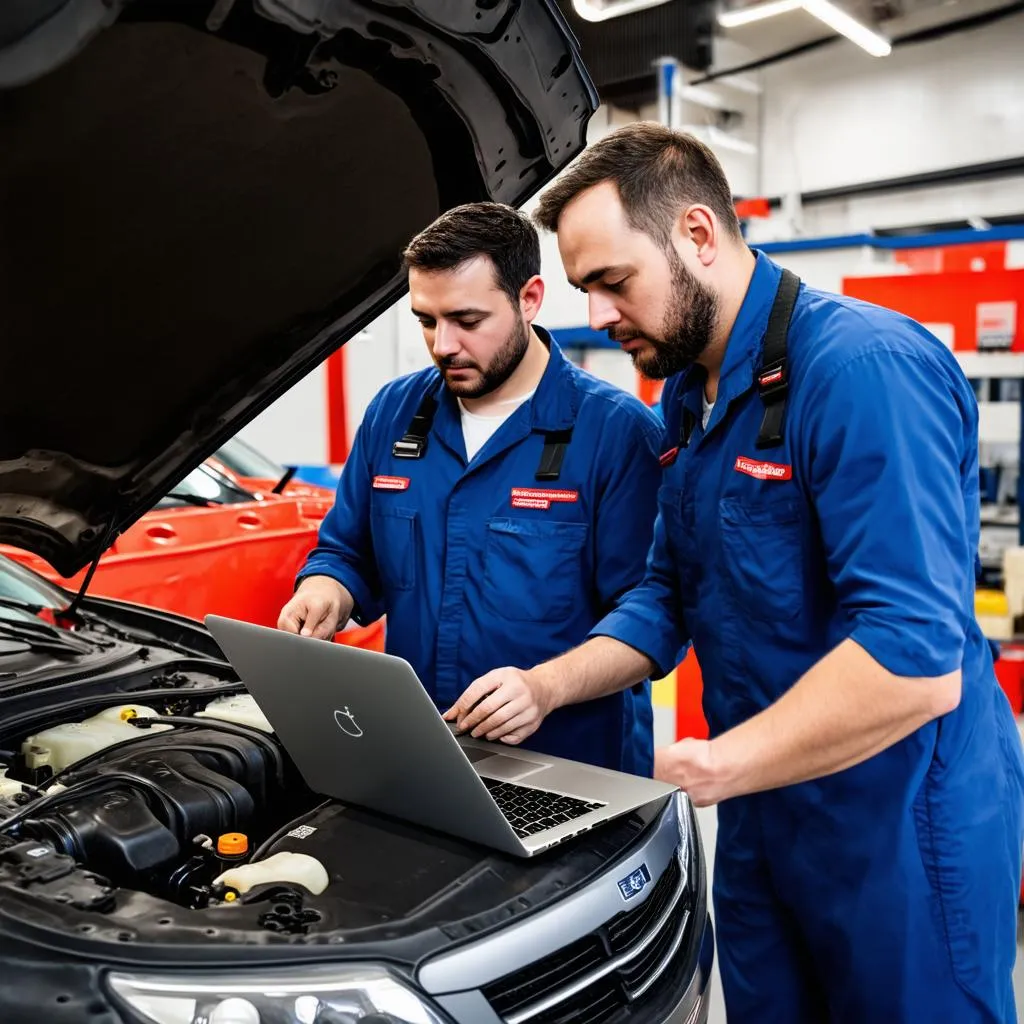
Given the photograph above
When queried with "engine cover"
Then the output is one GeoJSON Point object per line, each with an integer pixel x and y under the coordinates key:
{"type": "Point", "coordinates": [152, 800]}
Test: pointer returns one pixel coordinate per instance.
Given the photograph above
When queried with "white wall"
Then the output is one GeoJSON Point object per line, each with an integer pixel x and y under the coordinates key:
{"type": "Point", "coordinates": [837, 117]}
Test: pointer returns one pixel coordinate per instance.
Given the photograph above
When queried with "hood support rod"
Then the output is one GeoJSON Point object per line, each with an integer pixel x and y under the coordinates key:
{"type": "Point", "coordinates": [72, 609]}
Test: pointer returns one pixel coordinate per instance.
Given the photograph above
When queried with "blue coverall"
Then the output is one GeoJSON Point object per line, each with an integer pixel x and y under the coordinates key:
{"type": "Point", "coordinates": [886, 892]}
{"type": "Point", "coordinates": [482, 566]}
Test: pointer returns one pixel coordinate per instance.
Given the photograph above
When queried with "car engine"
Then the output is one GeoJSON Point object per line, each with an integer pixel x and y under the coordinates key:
{"type": "Point", "coordinates": [155, 803]}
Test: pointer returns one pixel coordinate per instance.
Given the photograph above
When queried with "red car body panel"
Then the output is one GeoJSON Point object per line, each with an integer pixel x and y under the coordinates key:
{"type": "Point", "coordinates": [237, 560]}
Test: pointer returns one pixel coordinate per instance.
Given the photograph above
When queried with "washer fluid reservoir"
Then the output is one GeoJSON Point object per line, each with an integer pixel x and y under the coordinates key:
{"type": "Point", "coordinates": [299, 868]}
{"type": "Point", "coordinates": [241, 709]}
{"type": "Point", "coordinates": [63, 745]}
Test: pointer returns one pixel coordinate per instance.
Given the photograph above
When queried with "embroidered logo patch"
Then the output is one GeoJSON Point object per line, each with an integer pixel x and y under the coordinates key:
{"type": "Point", "coordinates": [391, 483]}
{"type": "Point", "coordinates": [536, 497]}
{"type": "Point", "coordinates": [763, 470]}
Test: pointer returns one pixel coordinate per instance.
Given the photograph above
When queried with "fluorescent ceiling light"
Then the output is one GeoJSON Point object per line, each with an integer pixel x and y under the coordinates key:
{"type": "Point", "coordinates": [757, 12]}
{"type": "Point", "coordinates": [603, 10]}
{"type": "Point", "coordinates": [846, 25]}
{"type": "Point", "coordinates": [824, 10]}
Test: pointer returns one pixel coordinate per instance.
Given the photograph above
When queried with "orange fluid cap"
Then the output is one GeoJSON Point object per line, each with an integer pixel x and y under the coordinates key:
{"type": "Point", "coordinates": [231, 844]}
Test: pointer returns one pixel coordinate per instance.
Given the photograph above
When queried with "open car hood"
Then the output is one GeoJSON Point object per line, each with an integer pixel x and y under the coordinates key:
{"type": "Point", "coordinates": [201, 199]}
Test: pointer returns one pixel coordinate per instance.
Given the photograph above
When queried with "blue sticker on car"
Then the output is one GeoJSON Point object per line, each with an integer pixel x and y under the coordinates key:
{"type": "Point", "coordinates": [635, 883]}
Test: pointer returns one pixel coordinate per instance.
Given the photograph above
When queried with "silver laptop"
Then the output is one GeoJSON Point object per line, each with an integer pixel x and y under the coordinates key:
{"type": "Point", "coordinates": [360, 727]}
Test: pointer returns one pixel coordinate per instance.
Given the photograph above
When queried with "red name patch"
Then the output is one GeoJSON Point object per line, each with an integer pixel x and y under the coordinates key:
{"type": "Point", "coordinates": [391, 483]}
{"type": "Point", "coordinates": [535, 497]}
{"type": "Point", "coordinates": [668, 458]}
{"type": "Point", "coordinates": [763, 470]}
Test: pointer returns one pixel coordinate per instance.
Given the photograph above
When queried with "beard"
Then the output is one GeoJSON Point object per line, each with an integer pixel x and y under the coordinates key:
{"type": "Point", "coordinates": [495, 373]}
{"type": "Point", "coordinates": [686, 330]}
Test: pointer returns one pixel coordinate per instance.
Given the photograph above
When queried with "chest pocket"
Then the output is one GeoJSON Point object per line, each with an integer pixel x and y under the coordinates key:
{"type": "Point", "coordinates": [762, 554]}
{"type": "Point", "coordinates": [533, 569]}
{"type": "Point", "coordinates": [394, 544]}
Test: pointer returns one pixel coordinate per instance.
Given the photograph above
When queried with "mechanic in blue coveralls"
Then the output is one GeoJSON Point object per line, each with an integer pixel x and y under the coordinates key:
{"type": "Point", "coordinates": [818, 522]}
{"type": "Point", "coordinates": [496, 505]}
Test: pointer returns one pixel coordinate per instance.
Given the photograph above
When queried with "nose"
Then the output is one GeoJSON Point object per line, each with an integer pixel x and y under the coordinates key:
{"type": "Point", "coordinates": [446, 340]}
{"type": "Point", "coordinates": [603, 312]}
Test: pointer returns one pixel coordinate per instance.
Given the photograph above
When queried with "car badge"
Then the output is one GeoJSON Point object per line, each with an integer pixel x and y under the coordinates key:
{"type": "Point", "coordinates": [347, 723]}
{"type": "Point", "coordinates": [634, 884]}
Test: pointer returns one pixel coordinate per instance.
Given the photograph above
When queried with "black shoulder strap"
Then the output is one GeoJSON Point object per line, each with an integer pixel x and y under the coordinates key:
{"type": "Point", "coordinates": [413, 444]}
{"type": "Point", "coordinates": [773, 374]}
{"type": "Point", "coordinates": [686, 425]}
{"type": "Point", "coordinates": [551, 458]}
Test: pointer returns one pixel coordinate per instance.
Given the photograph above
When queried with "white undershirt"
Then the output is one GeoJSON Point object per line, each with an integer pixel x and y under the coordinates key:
{"type": "Point", "coordinates": [706, 408]}
{"type": "Point", "coordinates": [477, 430]}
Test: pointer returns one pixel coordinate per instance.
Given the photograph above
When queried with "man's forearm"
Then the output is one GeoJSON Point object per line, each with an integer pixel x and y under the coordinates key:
{"type": "Point", "coordinates": [599, 667]}
{"type": "Point", "coordinates": [844, 710]}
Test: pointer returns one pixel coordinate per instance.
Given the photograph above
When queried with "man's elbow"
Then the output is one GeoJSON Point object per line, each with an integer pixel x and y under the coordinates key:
{"type": "Point", "coordinates": [944, 694]}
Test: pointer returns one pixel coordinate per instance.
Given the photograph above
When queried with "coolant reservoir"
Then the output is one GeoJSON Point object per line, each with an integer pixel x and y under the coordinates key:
{"type": "Point", "coordinates": [282, 867]}
{"type": "Point", "coordinates": [63, 745]}
{"type": "Point", "coordinates": [241, 709]}
{"type": "Point", "coordinates": [9, 787]}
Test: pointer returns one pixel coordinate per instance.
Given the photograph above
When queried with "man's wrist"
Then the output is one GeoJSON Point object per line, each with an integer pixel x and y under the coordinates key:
{"type": "Point", "coordinates": [541, 680]}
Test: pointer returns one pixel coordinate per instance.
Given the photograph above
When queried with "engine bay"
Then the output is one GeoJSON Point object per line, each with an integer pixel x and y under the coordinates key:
{"type": "Point", "coordinates": [186, 821]}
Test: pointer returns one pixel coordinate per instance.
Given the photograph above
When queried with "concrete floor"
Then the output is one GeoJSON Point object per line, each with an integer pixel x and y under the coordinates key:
{"type": "Point", "coordinates": [664, 732]}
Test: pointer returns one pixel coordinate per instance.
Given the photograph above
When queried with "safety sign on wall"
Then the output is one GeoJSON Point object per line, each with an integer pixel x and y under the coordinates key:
{"type": "Point", "coordinates": [997, 325]}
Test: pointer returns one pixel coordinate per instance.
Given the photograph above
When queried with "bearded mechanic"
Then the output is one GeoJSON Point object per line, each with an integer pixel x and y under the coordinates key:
{"type": "Point", "coordinates": [816, 539]}
{"type": "Point", "coordinates": [482, 505]}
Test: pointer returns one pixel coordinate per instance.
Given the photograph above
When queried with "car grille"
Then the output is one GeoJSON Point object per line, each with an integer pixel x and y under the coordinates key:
{"type": "Point", "coordinates": [596, 978]}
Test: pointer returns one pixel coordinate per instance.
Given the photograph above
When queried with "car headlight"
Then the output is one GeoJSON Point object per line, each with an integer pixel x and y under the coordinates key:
{"type": "Point", "coordinates": [329, 995]}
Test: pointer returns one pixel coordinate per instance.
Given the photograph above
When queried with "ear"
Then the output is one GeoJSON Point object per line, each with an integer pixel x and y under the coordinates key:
{"type": "Point", "coordinates": [697, 226]}
{"type": "Point", "coordinates": [530, 298]}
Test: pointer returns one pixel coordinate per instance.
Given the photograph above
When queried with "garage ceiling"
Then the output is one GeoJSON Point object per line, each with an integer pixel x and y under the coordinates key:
{"type": "Point", "coordinates": [619, 51]}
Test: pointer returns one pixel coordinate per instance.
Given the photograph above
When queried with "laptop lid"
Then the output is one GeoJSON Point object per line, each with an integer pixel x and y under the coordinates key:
{"type": "Point", "coordinates": [360, 727]}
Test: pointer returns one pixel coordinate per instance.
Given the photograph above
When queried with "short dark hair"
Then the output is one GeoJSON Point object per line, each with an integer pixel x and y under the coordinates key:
{"type": "Point", "coordinates": [495, 230]}
{"type": "Point", "coordinates": [657, 171]}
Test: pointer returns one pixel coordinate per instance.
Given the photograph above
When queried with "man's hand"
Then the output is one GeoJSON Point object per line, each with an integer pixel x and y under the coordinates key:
{"type": "Point", "coordinates": [690, 765]}
{"type": "Point", "coordinates": [320, 607]}
{"type": "Point", "coordinates": [507, 704]}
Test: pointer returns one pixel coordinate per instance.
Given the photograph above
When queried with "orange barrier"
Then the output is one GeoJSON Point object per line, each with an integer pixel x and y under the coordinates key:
{"type": "Point", "coordinates": [689, 690]}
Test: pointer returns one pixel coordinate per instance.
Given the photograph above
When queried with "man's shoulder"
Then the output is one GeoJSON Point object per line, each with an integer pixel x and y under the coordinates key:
{"type": "Point", "coordinates": [615, 405]}
{"type": "Point", "coordinates": [402, 395]}
{"type": "Point", "coordinates": [833, 333]}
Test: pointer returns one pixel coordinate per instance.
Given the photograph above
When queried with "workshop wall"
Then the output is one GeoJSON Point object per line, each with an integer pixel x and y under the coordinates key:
{"type": "Point", "coordinates": [835, 117]}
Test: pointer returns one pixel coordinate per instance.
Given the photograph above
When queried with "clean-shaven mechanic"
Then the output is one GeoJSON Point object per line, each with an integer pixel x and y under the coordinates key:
{"type": "Point", "coordinates": [496, 505]}
{"type": "Point", "coordinates": [817, 540]}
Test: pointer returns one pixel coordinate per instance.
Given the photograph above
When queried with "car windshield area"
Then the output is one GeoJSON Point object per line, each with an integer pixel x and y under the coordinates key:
{"type": "Point", "coordinates": [240, 457]}
{"type": "Point", "coordinates": [22, 592]}
{"type": "Point", "coordinates": [206, 486]}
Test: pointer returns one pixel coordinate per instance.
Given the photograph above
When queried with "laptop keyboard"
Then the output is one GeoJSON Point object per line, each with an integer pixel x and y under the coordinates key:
{"type": "Point", "coordinates": [530, 811]}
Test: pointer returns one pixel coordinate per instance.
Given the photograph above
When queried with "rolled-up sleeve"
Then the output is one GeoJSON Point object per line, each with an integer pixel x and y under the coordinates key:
{"type": "Point", "coordinates": [885, 446]}
{"type": "Point", "coordinates": [344, 549]}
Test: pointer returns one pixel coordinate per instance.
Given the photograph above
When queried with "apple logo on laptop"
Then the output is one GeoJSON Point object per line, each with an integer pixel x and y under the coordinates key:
{"type": "Point", "coordinates": [347, 723]}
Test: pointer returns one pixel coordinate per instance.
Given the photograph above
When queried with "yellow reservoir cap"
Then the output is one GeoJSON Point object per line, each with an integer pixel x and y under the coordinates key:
{"type": "Point", "coordinates": [232, 844]}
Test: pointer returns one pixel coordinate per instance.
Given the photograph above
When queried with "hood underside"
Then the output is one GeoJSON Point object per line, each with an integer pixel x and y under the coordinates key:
{"type": "Point", "coordinates": [201, 199]}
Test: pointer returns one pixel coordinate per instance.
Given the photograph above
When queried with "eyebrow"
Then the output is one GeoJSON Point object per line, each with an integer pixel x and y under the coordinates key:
{"type": "Point", "coordinates": [453, 313]}
{"type": "Point", "coordinates": [596, 275]}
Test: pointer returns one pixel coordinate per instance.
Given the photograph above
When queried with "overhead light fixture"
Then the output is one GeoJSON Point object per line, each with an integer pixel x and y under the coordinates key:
{"type": "Point", "coordinates": [757, 12]}
{"type": "Point", "coordinates": [604, 10]}
{"type": "Point", "coordinates": [846, 25]}
{"type": "Point", "coordinates": [824, 10]}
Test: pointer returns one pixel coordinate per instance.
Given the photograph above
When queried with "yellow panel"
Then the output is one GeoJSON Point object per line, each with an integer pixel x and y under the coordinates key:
{"type": "Point", "coordinates": [663, 691]}
{"type": "Point", "coordinates": [990, 602]}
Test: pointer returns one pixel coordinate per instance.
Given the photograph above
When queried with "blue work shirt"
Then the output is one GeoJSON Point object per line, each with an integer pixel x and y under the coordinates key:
{"type": "Point", "coordinates": [480, 566]}
{"type": "Point", "coordinates": [863, 524]}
